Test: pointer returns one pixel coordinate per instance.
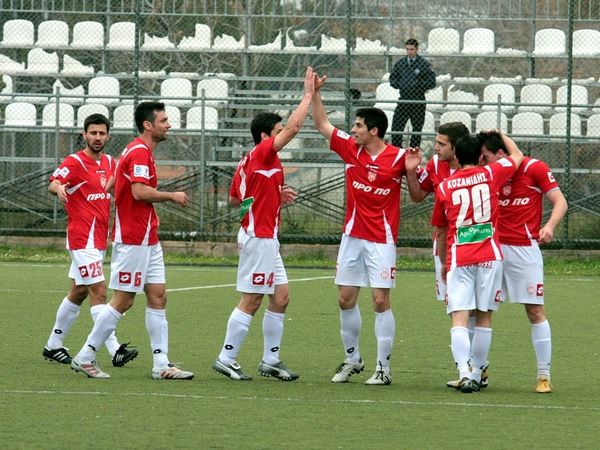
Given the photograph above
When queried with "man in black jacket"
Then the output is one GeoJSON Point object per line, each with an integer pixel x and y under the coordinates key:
{"type": "Point", "coordinates": [413, 76]}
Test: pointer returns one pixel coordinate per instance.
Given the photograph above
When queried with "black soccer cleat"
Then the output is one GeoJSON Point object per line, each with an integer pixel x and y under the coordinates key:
{"type": "Point", "coordinates": [60, 355]}
{"type": "Point", "coordinates": [123, 355]}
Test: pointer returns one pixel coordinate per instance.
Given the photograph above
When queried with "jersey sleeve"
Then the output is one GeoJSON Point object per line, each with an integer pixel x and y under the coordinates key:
{"type": "Point", "coordinates": [425, 177]}
{"type": "Point", "coordinates": [543, 177]}
{"type": "Point", "coordinates": [234, 189]}
{"type": "Point", "coordinates": [438, 217]}
{"type": "Point", "coordinates": [66, 172]}
{"type": "Point", "coordinates": [503, 170]}
{"type": "Point", "coordinates": [340, 143]}
{"type": "Point", "coordinates": [139, 166]}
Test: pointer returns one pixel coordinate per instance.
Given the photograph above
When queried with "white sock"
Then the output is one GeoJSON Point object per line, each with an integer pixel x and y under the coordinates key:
{"type": "Point", "coordinates": [65, 317]}
{"type": "Point", "coordinates": [541, 338]}
{"type": "Point", "coordinates": [461, 348]}
{"type": "Point", "coordinates": [385, 330]}
{"type": "Point", "coordinates": [350, 326]}
{"type": "Point", "coordinates": [111, 342]}
{"type": "Point", "coordinates": [106, 322]}
{"type": "Point", "coordinates": [158, 330]}
{"type": "Point", "coordinates": [237, 329]}
{"type": "Point", "coordinates": [272, 334]}
{"type": "Point", "coordinates": [480, 348]}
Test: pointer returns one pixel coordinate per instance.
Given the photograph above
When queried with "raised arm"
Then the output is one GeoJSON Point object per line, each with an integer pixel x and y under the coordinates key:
{"type": "Point", "coordinates": [514, 152]}
{"type": "Point", "coordinates": [319, 115]}
{"type": "Point", "coordinates": [296, 119]}
{"type": "Point", "coordinates": [413, 159]}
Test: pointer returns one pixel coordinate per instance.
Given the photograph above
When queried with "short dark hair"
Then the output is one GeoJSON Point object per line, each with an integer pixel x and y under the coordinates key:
{"type": "Point", "coordinates": [96, 119]}
{"type": "Point", "coordinates": [492, 141]}
{"type": "Point", "coordinates": [412, 41]}
{"type": "Point", "coordinates": [145, 111]}
{"type": "Point", "coordinates": [454, 131]}
{"type": "Point", "coordinates": [374, 117]}
{"type": "Point", "coordinates": [263, 123]}
{"type": "Point", "coordinates": [467, 151]}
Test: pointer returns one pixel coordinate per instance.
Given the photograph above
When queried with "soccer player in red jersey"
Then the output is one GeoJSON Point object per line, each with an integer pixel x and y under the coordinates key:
{"type": "Point", "coordinates": [367, 255]}
{"type": "Point", "coordinates": [520, 228]}
{"type": "Point", "coordinates": [466, 214]}
{"type": "Point", "coordinates": [258, 187]}
{"type": "Point", "coordinates": [137, 263]}
{"type": "Point", "coordinates": [80, 184]}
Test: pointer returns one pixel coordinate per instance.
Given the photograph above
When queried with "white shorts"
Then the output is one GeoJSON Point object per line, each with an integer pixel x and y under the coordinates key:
{"type": "Point", "coordinates": [364, 263]}
{"type": "Point", "coordinates": [86, 266]}
{"type": "Point", "coordinates": [440, 285]}
{"type": "Point", "coordinates": [133, 266]}
{"type": "Point", "coordinates": [260, 267]}
{"type": "Point", "coordinates": [523, 269]}
{"type": "Point", "coordinates": [476, 286]}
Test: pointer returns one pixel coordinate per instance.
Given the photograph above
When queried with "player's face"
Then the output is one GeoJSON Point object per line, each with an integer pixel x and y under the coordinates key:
{"type": "Point", "coordinates": [411, 51]}
{"type": "Point", "coordinates": [443, 147]}
{"type": "Point", "coordinates": [96, 137]}
{"type": "Point", "coordinates": [488, 157]}
{"type": "Point", "coordinates": [160, 126]}
{"type": "Point", "coordinates": [360, 133]}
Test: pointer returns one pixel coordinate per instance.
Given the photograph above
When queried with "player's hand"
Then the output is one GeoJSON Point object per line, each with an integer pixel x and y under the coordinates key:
{"type": "Point", "coordinates": [309, 81]}
{"type": "Point", "coordinates": [61, 192]}
{"type": "Point", "coordinates": [546, 235]}
{"type": "Point", "coordinates": [180, 198]}
{"type": "Point", "coordinates": [413, 158]}
{"type": "Point", "coordinates": [288, 195]}
{"type": "Point", "coordinates": [319, 82]}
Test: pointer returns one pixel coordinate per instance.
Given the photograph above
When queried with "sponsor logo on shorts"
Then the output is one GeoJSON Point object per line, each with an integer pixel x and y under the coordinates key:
{"type": "Point", "coordinates": [83, 271]}
{"type": "Point", "coordinates": [393, 273]}
{"type": "Point", "coordinates": [498, 297]}
{"type": "Point", "coordinates": [384, 275]}
{"type": "Point", "coordinates": [124, 277]}
{"type": "Point", "coordinates": [258, 279]}
{"type": "Point", "coordinates": [531, 289]}
{"type": "Point", "coordinates": [539, 291]}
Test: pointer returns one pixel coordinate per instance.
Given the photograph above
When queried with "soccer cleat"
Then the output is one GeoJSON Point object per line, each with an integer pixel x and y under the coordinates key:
{"type": "Point", "coordinates": [233, 370]}
{"type": "Point", "coordinates": [543, 385]}
{"type": "Point", "coordinates": [381, 377]}
{"type": "Point", "coordinates": [455, 384]}
{"type": "Point", "coordinates": [484, 376]}
{"type": "Point", "coordinates": [91, 368]}
{"type": "Point", "coordinates": [123, 355]}
{"type": "Point", "coordinates": [171, 372]}
{"type": "Point", "coordinates": [346, 369]}
{"type": "Point", "coordinates": [60, 355]}
{"type": "Point", "coordinates": [277, 370]}
{"type": "Point", "coordinates": [467, 385]}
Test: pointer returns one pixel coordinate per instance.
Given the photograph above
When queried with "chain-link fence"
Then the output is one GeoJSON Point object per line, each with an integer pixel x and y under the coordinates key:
{"type": "Point", "coordinates": [528, 67]}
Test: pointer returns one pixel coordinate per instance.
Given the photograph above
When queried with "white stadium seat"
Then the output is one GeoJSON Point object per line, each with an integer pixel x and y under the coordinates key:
{"type": "Point", "coordinates": [386, 97]}
{"type": "Point", "coordinates": [53, 34]}
{"type": "Point", "coordinates": [202, 40]}
{"type": "Point", "coordinates": [506, 93]}
{"type": "Point", "coordinates": [88, 34]}
{"type": "Point", "coordinates": [42, 63]}
{"type": "Point", "coordinates": [216, 88]}
{"type": "Point", "coordinates": [434, 98]}
{"type": "Point", "coordinates": [174, 116]}
{"type": "Point", "coordinates": [73, 96]}
{"type": "Point", "coordinates": [443, 41]}
{"type": "Point", "coordinates": [195, 116]}
{"type": "Point", "coordinates": [586, 43]}
{"type": "Point", "coordinates": [558, 125]}
{"type": "Point", "coordinates": [87, 110]}
{"type": "Point", "coordinates": [121, 36]}
{"type": "Point", "coordinates": [489, 119]}
{"type": "Point", "coordinates": [479, 41]}
{"type": "Point", "coordinates": [579, 96]}
{"type": "Point", "coordinates": [549, 42]}
{"type": "Point", "coordinates": [457, 116]}
{"type": "Point", "coordinates": [593, 126]}
{"type": "Point", "coordinates": [176, 91]}
{"type": "Point", "coordinates": [66, 115]}
{"type": "Point", "coordinates": [536, 93]}
{"type": "Point", "coordinates": [464, 100]}
{"type": "Point", "coordinates": [525, 123]}
{"type": "Point", "coordinates": [104, 90]}
{"type": "Point", "coordinates": [18, 33]}
{"type": "Point", "coordinates": [123, 117]}
{"type": "Point", "coordinates": [20, 114]}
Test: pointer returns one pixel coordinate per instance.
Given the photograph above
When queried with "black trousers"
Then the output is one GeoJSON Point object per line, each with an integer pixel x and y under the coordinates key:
{"type": "Point", "coordinates": [404, 111]}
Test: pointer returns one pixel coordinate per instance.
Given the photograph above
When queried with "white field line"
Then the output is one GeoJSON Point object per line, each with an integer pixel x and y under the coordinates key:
{"type": "Point", "coordinates": [307, 401]}
{"type": "Point", "coordinates": [193, 288]}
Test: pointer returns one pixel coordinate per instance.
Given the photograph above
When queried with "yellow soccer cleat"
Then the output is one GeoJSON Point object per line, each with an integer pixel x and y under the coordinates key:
{"type": "Point", "coordinates": [543, 385]}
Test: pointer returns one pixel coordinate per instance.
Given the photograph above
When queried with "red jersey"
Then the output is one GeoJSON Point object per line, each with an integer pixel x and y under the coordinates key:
{"type": "Point", "coordinates": [257, 182]}
{"type": "Point", "coordinates": [521, 202]}
{"type": "Point", "coordinates": [467, 204]}
{"type": "Point", "coordinates": [88, 205]}
{"type": "Point", "coordinates": [136, 222]}
{"type": "Point", "coordinates": [372, 189]}
{"type": "Point", "coordinates": [434, 173]}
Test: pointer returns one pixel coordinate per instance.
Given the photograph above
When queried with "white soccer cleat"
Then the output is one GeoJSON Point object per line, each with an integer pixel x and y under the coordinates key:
{"type": "Point", "coordinates": [90, 368]}
{"type": "Point", "coordinates": [171, 372]}
{"type": "Point", "coordinates": [346, 369]}
{"type": "Point", "coordinates": [381, 377]}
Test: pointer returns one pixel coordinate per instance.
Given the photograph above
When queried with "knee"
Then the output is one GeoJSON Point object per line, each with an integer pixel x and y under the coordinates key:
{"type": "Point", "coordinates": [280, 302]}
{"type": "Point", "coordinates": [78, 294]}
{"type": "Point", "coordinates": [535, 313]}
{"type": "Point", "coordinates": [381, 304]}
